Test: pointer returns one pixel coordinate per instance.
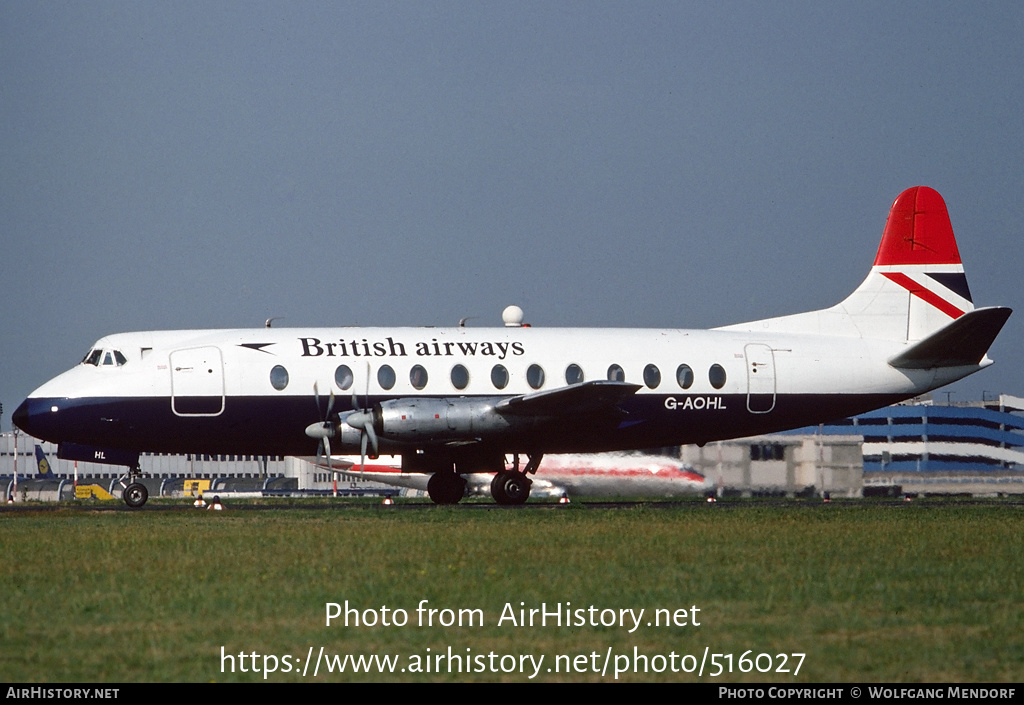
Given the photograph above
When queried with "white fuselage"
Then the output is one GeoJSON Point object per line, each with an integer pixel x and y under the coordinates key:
{"type": "Point", "coordinates": [214, 390]}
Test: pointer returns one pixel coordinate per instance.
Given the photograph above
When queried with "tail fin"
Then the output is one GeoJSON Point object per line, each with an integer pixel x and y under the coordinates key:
{"type": "Point", "coordinates": [916, 285]}
{"type": "Point", "coordinates": [43, 463]}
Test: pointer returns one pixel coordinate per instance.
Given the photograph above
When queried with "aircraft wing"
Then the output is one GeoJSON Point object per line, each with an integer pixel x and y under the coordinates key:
{"type": "Point", "coordinates": [586, 397]}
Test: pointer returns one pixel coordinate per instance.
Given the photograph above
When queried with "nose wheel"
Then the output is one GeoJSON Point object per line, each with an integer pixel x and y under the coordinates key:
{"type": "Point", "coordinates": [135, 493]}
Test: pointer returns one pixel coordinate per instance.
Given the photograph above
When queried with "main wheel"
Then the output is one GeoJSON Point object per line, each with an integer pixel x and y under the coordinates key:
{"type": "Point", "coordinates": [446, 487]}
{"type": "Point", "coordinates": [510, 488]}
{"type": "Point", "coordinates": [135, 495]}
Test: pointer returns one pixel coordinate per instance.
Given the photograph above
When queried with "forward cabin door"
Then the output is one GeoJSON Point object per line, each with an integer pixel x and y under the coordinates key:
{"type": "Point", "coordinates": [760, 378]}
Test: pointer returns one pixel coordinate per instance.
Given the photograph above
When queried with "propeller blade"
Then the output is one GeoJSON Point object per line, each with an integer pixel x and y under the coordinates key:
{"type": "Point", "coordinates": [361, 419]}
{"type": "Point", "coordinates": [324, 429]}
{"type": "Point", "coordinates": [330, 405]}
{"type": "Point", "coordinates": [373, 437]}
{"type": "Point", "coordinates": [366, 398]}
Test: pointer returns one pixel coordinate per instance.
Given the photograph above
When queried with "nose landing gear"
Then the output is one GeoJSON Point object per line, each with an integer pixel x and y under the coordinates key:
{"type": "Point", "coordinates": [135, 493]}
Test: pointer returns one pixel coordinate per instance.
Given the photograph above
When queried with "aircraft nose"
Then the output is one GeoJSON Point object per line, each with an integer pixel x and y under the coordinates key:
{"type": "Point", "coordinates": [33, 417]}
{"type": "Point", "coordinates": [21, 416]}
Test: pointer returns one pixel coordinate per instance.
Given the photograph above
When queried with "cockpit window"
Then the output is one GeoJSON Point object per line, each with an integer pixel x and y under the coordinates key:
{"type": "Point", "coordinates": [105, 357]}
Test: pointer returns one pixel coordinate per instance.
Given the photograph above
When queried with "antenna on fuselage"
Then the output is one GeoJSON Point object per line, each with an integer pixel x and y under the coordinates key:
{"type": "Point", "coordinates": [269, 322]}
{"type": "Point", "coordinates": [512, 317]}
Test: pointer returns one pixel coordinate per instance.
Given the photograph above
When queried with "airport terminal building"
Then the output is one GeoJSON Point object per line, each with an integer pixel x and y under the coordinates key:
{"type": "Point", "coordinates": [930, 446]}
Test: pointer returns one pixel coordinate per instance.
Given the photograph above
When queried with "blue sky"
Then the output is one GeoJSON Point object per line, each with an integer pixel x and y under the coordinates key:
{"type": "Point", "coordinates": [656, 164]}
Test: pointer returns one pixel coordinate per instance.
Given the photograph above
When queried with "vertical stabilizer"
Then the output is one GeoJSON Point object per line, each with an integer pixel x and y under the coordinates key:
{"type": "Point", "coordinates": [43, 464]}
{"type": "Point", "coordinates": [916, 285]}
{"type": "Point", "coordinates": [918, 266]}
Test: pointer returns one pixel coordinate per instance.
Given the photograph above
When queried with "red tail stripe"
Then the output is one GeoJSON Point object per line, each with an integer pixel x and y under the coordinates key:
{"type": "Point", "coordinates": [918, 231]}
{"type": "Point", "coordinates": [924, 294]}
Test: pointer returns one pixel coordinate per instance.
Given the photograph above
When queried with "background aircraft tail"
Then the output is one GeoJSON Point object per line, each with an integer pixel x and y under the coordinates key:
{"type": "Point", "coordinates": [43, 464]}
{"type": "Point", "coordinates": [916, 289]}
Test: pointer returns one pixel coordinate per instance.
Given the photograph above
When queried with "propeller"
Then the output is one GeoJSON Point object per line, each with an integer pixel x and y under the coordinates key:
{"type": "Point", "coordinates": [360, 418]}
{"type": "Point", "coordinates": [324, 430]}
{"type": "Point", "coordinates": [362, 421]}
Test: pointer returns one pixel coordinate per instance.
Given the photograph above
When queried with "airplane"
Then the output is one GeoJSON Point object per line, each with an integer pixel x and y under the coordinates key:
{"type": "Point", "coordinates": [454, 401]}
{"type": "Point", "coordinates": [568, 475]}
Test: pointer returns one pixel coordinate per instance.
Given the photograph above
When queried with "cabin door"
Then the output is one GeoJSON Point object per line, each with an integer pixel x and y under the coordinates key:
{"type": "Point", "coordinates": [760, 378]}
{"type": "Point", "coordinates": [197, 381]}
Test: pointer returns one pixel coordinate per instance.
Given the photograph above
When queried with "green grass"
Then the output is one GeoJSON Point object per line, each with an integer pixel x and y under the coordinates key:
{"type": "Point", "coordinates": [926, 591]}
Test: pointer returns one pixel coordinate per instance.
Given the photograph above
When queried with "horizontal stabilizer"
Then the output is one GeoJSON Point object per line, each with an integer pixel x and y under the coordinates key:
{"type": "Point", "coordinates": [962, 343]}
{"type": "Point", "coordinates": [576, 398]}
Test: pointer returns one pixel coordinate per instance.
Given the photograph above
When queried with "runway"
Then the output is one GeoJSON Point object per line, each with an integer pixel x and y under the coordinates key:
{"type": "Point", "coordinates": [399, 505]}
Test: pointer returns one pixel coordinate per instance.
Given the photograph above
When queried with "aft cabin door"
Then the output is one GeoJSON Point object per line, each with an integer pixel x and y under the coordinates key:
{"type": "Point", "coordinates": [760, 378]}
{"type": "Point", "coordinates": [197, 382]}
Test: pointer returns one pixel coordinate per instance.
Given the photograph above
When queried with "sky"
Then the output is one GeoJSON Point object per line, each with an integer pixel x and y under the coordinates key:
{"type": "Point", "coordinates": [651, 164]}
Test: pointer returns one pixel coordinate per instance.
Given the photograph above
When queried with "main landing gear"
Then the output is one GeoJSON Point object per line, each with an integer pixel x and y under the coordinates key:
{"type": "Point", "coordinates": [446, 487]}
{"type": "Point", "coordinates": [135, 493]}
{"type": "Point", "coordinates": [512, 486]}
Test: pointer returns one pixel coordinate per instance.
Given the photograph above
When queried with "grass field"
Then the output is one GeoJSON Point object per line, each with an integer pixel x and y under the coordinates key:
{"type": "Point", "coordinates": [924, 591]}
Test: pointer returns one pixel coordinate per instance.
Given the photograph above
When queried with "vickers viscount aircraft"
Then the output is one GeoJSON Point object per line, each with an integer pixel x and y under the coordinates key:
{"type": "Point", "coordinates": [454, 401]}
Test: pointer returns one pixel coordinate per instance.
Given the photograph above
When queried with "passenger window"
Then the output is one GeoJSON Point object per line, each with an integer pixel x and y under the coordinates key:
{"type": "Point", "coordinates": [652, 376]}
{"type": "Point", "coordinates": [418, 376]}
{"type": "Point", "coordinates": [460, 377]}
{"type": "Point", "coordinates": [684, 376]}
{"type": "Point", "coordinates": [535, 376]}
{"type": "Point", "coordinates": [343, 377]}
{"type": "Point", "coordinates": [499, 376]}
{"type": "Point", "coordinates": [616, 374]}
{"type": "Point", "coordinates": [386, 377]}
{"type": "Point", "coordinates": [278, 377]}
{"type": "Point", "coordinates": [573, 374]}
{"type": "Point", "coordinates": [716, 375]}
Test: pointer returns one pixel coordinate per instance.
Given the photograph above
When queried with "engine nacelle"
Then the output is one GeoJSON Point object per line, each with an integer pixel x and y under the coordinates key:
{"type": "Point", "coordinates": [461, 418]}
